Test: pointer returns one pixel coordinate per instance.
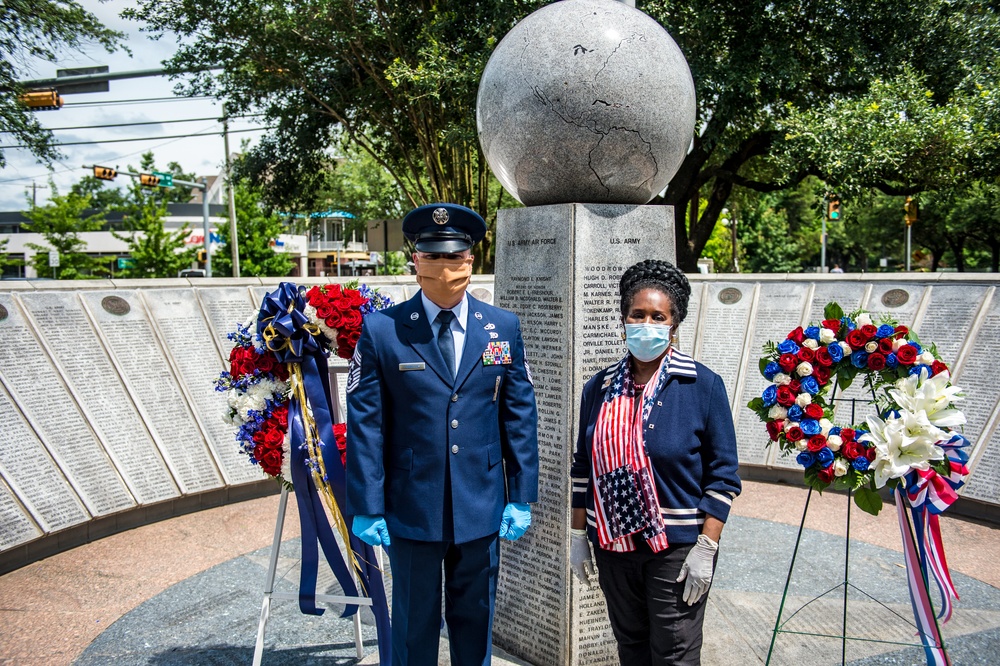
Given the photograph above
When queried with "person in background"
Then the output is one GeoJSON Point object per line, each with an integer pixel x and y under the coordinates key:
{"type": "Point", "coordinates": [442, 454]}
{"type": "Point", "coordinates": [653, 477]}
{"type": "Point", "coordinates": [836, 269]}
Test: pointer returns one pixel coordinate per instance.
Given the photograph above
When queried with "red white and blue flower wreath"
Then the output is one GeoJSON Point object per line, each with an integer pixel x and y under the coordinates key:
{"type": "Point", "coordinates": [910, 445]}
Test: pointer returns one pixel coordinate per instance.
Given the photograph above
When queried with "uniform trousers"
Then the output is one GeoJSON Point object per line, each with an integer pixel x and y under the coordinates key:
{"type": "Point", "coordinates": [470, 584]}
{"type": "Point", "coordinates": [649, 617]}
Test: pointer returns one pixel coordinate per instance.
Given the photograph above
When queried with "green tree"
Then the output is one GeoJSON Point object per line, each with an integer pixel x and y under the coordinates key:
{"type": "Point", "coordinates": [5, 259]}
{"type": "Point", "coordinates": [155, 252]}
{"type": "Point", "coordinates": [397, 79]}
{"type": "Point", "coordinates": [102, 197]}
{"type": "Point", "coordinates": [61, 222]}
{"type": "Point", "coordinates": [256, 230]}
{"type": "Point", "coordinates": [39, 29]}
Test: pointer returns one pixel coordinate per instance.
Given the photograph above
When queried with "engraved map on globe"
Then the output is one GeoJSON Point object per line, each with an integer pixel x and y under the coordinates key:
{"type": "Point", "coordinates": [586, 101]}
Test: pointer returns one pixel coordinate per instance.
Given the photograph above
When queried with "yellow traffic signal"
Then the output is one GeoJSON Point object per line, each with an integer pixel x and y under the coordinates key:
{"type": "Point", "coordinates": [910, 210]}
{"type": "Point", "coordinates": [104, 173]}
{"type": "Point", "coordinates": [149, 180]}
{"type": "Point", "coordinates": [201, 255]}
{"type": "Point", "coordinates": [42, 100]}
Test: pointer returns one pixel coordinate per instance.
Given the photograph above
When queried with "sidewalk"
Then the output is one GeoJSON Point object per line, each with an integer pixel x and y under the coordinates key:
{"type": "Point", "coordinates": [188, 591]}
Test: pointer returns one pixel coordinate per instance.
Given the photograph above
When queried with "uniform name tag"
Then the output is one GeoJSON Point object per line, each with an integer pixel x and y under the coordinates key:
{"type": "Point", "coordinates": [497, 353]}
{"type": "Point", "coordinates": [405, 367]}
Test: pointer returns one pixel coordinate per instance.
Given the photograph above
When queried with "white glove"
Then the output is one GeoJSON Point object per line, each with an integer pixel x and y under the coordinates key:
{"type": "Point", "coordinates": [697, 569]}
{"type": "Point", "coordinates": [580, 557]}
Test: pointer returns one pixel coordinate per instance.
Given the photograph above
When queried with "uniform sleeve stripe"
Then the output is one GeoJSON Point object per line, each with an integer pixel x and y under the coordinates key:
{"type": "Point", "coordinates": [727, 500]}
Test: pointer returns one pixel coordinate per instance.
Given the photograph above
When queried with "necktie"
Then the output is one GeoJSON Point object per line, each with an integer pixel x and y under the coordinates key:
{"type": "Point", "coordinates": [446, 341]}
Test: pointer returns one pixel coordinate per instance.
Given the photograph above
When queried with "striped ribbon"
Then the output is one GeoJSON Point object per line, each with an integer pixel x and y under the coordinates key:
{"type": "Point", "coordinates": [928, 494]}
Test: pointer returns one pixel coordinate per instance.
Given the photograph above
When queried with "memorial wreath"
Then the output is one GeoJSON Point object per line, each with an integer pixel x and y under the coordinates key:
{"type": "Point", "coordinates": [279, 398]}
{"type": "Point", "coordinates": [910, 445]}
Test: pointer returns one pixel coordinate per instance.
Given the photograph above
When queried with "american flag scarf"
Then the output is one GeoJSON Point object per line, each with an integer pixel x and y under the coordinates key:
{"type": "Point", "coordinates": [624, 489]}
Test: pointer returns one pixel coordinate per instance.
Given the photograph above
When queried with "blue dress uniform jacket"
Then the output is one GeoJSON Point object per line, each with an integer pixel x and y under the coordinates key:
{"type": "Point", "coordinates": [690, 441]}
{"type": "Point", "coordinates": [439, 458]}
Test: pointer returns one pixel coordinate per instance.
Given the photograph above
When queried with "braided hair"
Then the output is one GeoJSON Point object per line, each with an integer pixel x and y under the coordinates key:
{"type": "Point", "coordinates": [661, 276]}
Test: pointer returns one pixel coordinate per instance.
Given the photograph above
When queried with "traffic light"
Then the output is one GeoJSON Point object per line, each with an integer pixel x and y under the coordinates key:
{"type": "Point", "coordinates": [104, 173]}
{"type": "Point", "coordinates": [201, 255]}
{"type": "Point", "coordinates": [833, 209]}
{"type": "Point", "coordinates": [149, 180]}
{"type": "Point", "coordinates": [42, 100]}
{"type": "Point", "coordinates": [910, 210]}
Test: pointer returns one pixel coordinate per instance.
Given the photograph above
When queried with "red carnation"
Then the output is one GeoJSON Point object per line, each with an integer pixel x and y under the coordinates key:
{"type": "Point", "coordinates": [788, 362]}
{"type": "Point", "coordinates": [814, 411]}
{"type": "Point", "coordinates": [907, 354]}
{"type": "Point", "coordinates": [774, 428]}
{"type": "Point", "coordinates": [816, 442]}
{"type": "Point", "coordinates": [876, 361]}
{"type": "Point", "coordinates": [856, 339]}
{"type": "Point", "coordinates": [280, 415]}
{"type": "Point", "coordinates": [901, 331]}
{"type": "Point", "coordinates": [869, 331]}
{"type": "Point", "coordinates": [340, 436]}
{"type": "Point", "coordinates": [793, 434]}
{"type": "Point", "coordinates": [826, 474]}
{"type": "Point", "coordinates": [822, 357]}
{"type": "Point", "coordinates": [786, 397]}
{"type": "Point", "coordinates": [885, 346]}
{"type": "Point", "coordinates": [938, 367]}
{"type": "Point", "coordinates": [832, 324]}
{"type": "Point", "coordinates": [847, 434]}
{"type": "Point", "coordinates": [806, 354]}
{"type": "Point", "coordinates": [797, 335]}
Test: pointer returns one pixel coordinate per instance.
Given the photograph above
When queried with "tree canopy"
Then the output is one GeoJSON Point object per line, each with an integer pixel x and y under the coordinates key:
{"type": "Point", "coordinates": [39, 29]}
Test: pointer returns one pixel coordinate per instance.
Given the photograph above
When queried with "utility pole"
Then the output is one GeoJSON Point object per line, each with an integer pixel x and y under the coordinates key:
{"type": "Point", "coordinates": [234, 243]}
{"type": "Point", "coordinates": [909, 216]}
{"type": "Point", "coordinates": [34, 192]}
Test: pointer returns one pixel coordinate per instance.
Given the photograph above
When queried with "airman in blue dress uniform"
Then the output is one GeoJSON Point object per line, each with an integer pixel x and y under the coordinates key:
{"type": "Point", "coordinates": [442, 456]}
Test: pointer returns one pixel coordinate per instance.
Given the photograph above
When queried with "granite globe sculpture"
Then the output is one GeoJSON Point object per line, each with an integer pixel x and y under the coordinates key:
{"type": "Point", "coordinates": [586, 101]}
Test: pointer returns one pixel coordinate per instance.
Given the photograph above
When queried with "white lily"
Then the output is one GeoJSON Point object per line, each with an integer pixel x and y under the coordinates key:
{"type": "Point", "coordinates": [932, 396]}
{"type": "Point", "coordinates": [898, 448]}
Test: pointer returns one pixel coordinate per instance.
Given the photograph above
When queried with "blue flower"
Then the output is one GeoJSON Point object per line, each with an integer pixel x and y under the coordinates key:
{"type": "Point", "coordinates": [836, 352]}
{"type": "Point", "coordinates": [812, 332]}
{"type": "Point", "coordinates": [771, 370]}
{"type": "Point", "coordinates": [860, 463]}
{"type": "Point", "coordinates": [835, 430]}
{"type": "Point", "coordinates": [809, 385]}
{"type": "Point", "coordinates": [805, 458]}
{"type": "Point", "coordinates": [859, 359]}
{"type": "Point", "coordinates": [884, 331]}
{"type": "Point", "coordinates": [847, 321]}
{"type": "Point", "coordinates": [916, 346]}
{"type": "Point", "coordinates": [788, 347]}
{"type": "Point", "coordinates": [810, 427]}
{"type": "Point", "coordinates": [890, 414]}
{"type": "Point", "coordinates": [916, 370]}
{"type": "Point", "coordinates": [770, 395]}
{"type": "Point", "coordinates": [858, 433]}
{"type": "Point", "coordinates": [824, 456]}
{"type": "Point", "coordinates": [891, 361]}
{"type": "Point", "coordinates": [794, 413]}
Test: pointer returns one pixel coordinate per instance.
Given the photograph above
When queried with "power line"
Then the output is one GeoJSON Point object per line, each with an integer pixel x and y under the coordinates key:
{"type": "Point", "coordinates": [117, 102]}
{"type": "Point", "coordinates": [148, 122]}
{"type": "Point", "coordinates": [144, 138]}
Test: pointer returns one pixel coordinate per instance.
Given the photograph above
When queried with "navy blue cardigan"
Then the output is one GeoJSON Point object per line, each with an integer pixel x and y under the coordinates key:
{"type": "Point", "coordinates": [690, 441]}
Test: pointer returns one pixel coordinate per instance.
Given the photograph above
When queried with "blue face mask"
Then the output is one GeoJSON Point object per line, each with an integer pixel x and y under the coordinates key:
{"type": "Point", "coordinates": [647, 342]}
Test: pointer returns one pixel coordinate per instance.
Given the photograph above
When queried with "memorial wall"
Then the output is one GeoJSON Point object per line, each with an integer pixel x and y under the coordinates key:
{"type": "Point", "coordinates": [107, 406]}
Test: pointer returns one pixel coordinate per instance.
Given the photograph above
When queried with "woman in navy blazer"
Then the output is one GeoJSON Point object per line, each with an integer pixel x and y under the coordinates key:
{"type": "Point", "coordinates": [653, 477]}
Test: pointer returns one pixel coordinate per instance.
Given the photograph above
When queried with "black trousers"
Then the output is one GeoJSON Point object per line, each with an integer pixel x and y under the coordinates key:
{"type": "Point", "coordinates": [650, 619]}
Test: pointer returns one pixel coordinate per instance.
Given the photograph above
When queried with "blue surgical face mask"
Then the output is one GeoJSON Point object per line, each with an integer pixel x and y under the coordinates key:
{"type": "Point", "coordinates": [647, 342]}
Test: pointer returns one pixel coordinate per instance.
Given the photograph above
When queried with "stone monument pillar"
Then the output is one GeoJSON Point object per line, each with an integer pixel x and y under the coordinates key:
{"type": "Point", "coordinates": [586, 110]}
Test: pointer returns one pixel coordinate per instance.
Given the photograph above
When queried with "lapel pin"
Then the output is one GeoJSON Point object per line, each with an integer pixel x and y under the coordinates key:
{"type": "Point", "coordinates": [494, 336]}
{"type": "Point", "coordinates": [490, 326]}
{"type": "Point", "coordinates": [415, 316]}
{"type": "Point", "coordinates": [479, 315]}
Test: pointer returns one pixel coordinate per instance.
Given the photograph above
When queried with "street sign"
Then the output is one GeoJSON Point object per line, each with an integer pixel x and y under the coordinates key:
{"type": "Point", "coordinates": [166, 179]}
{"type": "Point", "coordinates": [125, 262]}
{"type": "Point", "coordinates": [88, 87]}
{"type": "Point", "coordinates": [53, 258]}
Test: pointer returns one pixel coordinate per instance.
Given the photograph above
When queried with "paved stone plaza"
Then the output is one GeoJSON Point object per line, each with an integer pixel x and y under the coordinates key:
{"type": "Point", "coordinates": [188, 591]}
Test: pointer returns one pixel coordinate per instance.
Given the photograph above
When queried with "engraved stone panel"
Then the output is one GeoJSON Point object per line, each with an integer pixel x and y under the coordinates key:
{"type": "Point", "coordinates": [779, 310]}
{"type": "Point", "coordinates": [15, 526]}
{"type": "Point", "coordinates": [226, 307]}
{"type": "Point", "coordinates": [564, 287]}
{"type": "Point", "coordinates": [724, 330]}
{"type": "Point", "coordinates": [196, 361]}
{"type": "Point", "coordinates": [949, 317]}
{"type": "Point", "coordinates": [32, 475]}
{"type": "Point", "coordinates": [900, 301]}
{"type": "Point", "coordinates": [146, 373]}
{"type": "Point", "coordinates": [687, 333]}
{"type": "Point", "coordinates": [27, 373]}
{"type": "Point", "coordinates": [76, 349]}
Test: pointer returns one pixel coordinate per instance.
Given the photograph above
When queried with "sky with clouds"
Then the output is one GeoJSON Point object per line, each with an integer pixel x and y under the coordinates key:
{"type": "Point", "coordinates": [203, 155]}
